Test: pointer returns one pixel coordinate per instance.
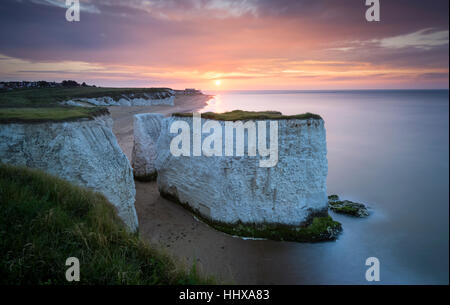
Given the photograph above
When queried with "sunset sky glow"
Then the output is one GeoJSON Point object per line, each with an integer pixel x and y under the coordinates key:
{"type": "Point", "coordinates": [244, 44]}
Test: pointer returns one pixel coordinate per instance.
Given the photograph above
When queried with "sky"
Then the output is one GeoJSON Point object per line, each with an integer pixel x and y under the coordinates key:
{"type": "Point", "coordinates": [228, 44]}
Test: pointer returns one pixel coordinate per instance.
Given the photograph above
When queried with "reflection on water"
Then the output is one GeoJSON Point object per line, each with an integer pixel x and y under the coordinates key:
{"type": "Point", "coordinates": [389, 149]}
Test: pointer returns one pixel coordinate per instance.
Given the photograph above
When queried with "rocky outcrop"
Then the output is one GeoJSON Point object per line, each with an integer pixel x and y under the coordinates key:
{"type": "Point", "coordinates": [235, 189]}
{"type": "Point", "coordinates": [147, 128]}
{"type": "Point", "coordinates": [84, 152]}
{"type": "Point", "coordinates": [347, 207]}
{"type": "Point", "coordinates": [144, 99]}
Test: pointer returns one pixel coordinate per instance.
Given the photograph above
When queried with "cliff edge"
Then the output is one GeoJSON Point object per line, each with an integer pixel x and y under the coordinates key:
{"type": "Point", "coordinates": [83, 151]}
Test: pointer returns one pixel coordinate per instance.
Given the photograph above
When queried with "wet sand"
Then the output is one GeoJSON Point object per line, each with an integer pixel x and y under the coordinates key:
{"type": "Point", "coordinates": [168, 226]}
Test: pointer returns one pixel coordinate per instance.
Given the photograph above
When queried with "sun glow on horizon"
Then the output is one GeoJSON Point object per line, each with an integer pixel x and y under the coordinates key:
{"type": "Point", "coordinates": [218, 82]}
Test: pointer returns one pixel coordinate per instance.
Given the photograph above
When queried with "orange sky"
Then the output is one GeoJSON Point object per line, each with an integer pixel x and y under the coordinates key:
{"type": "Point", "coordinates": [253, 44]}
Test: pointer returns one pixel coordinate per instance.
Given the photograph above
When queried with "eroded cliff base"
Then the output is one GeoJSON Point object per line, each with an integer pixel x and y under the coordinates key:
{"type": "Point", "coordinates": [317, 228]}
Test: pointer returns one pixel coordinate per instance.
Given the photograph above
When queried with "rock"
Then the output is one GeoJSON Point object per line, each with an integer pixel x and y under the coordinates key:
{"type": "Point", "coordinates": [333, 198]}
{"type": "Point", "coordinates": [84, 152]}
{"type": "Point", "coordinates": [159, 98]}
{"type": "Point", "coordinates": [235, 189]}
{"type": "Point", "coordinates": [347, 207]}
{"type": "Point", "coordinates": [147, 128]}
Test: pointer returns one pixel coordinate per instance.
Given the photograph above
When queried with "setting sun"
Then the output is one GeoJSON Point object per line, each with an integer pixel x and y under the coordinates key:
{"type": "Point", "coordinates": [218, 82]}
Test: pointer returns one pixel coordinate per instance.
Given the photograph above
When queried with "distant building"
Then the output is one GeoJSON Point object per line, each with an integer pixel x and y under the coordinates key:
{"type": "Point", "coordinates": [191, 91]}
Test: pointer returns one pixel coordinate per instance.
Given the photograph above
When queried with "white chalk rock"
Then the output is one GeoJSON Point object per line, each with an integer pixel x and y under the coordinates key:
{"type": "Point", "coordinates": [84, 152]}
{"type": "Point", "coordinates": [233, 189]}
{"type": "Point", "coordinates": [159, 98]}
{"type": "Point", "coordinates": [147, 128]}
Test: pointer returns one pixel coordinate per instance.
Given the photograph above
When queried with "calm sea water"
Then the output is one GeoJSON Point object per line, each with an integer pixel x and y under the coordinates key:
{"type": "Point", "coordinates": [388, 149]}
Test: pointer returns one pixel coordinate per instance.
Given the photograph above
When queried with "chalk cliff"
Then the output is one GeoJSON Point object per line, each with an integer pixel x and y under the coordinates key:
{"type": "Point", "coordinates": [144, 99]}
{"type": "Point", "coordinates": [147, 128]}
{"type": "Point", "coordinates": [84, 152]}
{"type": "Point", "coordinates": [231, 189]}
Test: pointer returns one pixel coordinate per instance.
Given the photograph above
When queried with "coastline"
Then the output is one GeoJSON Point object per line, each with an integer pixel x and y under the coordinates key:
{"type": "Point", "coordinates": [123, 116]}
{"type": "Point", "coordinates": [173, 229]}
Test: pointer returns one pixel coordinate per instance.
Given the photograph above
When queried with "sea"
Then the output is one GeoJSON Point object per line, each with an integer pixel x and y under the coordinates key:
{"type": "Point", "coordinates": [388, 149]}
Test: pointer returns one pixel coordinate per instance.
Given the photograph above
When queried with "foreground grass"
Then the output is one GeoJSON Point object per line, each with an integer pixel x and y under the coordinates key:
{"type": "Point", "coordinates": [237, 115]}
{"type": "Point", "coordinates": [51, 96]}
{"type": "Point", "coordinates": [45, 114]}
{"type": "Point", "coordinates": [44, 220]}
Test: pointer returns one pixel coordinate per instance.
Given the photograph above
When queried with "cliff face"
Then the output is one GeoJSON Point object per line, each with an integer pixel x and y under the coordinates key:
{"type": "Point", "coordinates": [146, 99]}
{"type": "Point", "coordinates": [232, 188]}
{"type": "Point", "coordinates": [147, 128]}
{"type": "Point", "coordinates": [84, 152]}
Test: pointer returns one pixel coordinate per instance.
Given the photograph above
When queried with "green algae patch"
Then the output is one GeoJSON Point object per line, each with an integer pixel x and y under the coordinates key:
{"type": "Point", "coordinates": [320, 227]}
{"type": "Point", "coordinates": [347, 207]}
{"type": "Point", "coordinates": [238, 115]}
{"type": "Point", "coordinates": [49, 114]}
{"type": "Point", "coordinates": [147, 178]}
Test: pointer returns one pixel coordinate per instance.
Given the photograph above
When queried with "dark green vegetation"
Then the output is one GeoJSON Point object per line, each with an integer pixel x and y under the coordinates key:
{"type": "Point", "coordinates": [333, 197]}
{"type": "Point", "coordinates": [147, 178]}
{"type": "Point", "coordinates": [318, 228]}
{"type": "Point", "coordinates": [44, 220]}
{"type": "Point", "coordinates": [44, 114]}
{"type": "Point", "coordinates": [42, 104]}
{"type": "Point", "coordinates": [347, 207]}
{"type": "Point", "coordinates": [236, 115]}
{"type": "Point", "coordinates": [51, 96]}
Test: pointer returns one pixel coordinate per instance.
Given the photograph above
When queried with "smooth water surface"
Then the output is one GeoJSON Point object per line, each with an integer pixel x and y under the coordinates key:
{"type": "Point", "coordinates": [388, 149]}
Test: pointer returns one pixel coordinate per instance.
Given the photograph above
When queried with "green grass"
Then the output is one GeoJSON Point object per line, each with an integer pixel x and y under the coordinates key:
{"type": "Point", "coordinates": [44, 220]}
{"type": "Point", "coordinates": [237, 115]}
{"type": "Point", "coordinates": [319, 227]}
{"type": "Point", "coordinates": [43, 104]}
{"type": "Point", "coordinates": [51, 96]}
{"type": "Point", "coordinates": [44, 114]}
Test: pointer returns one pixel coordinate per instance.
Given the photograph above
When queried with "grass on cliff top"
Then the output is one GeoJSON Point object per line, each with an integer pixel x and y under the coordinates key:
{"type": "Point", "coordinates": [52, 114]}
{"type": "Point", "coordinates": [45, 220]}
{"type": "Point", "coordinates": [237, 115]}
{"type": "Point", "coordinates": [51, 96]}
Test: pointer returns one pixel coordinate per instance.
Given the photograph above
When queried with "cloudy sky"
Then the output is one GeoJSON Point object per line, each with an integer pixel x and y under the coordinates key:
{"type": "Point", "coordinates": [246, 44]}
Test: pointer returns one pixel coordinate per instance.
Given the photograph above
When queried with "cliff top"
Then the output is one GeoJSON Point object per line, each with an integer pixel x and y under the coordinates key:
{"type": "Point", "coordinates": [59, 219]}
{"type": "Point", "coordinates": [237, 115]}
{"type": "Point", "coordinates": [16, 105]}
{"type": "Point", "coordinates": [51, 96]}
{"type": "Point", "coordinates": [48, 114]}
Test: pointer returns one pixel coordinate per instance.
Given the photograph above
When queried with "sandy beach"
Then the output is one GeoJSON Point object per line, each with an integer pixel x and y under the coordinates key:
{"type": "Point", "coordinates": [167, 225]}
{"type": "Point", "coordinates": [123, 116]}
{"type": "Point", "coordinates": [174, 229]}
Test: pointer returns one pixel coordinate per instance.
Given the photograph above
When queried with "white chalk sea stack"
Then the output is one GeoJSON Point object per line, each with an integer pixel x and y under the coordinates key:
{"type": "Point", "coordinates": [147, 128]}
{"type": "Point", "coordinates": [84, 152]}
{"type": "Point", "coordinates": [233, 189]}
